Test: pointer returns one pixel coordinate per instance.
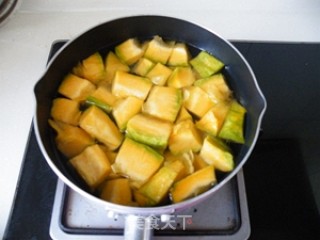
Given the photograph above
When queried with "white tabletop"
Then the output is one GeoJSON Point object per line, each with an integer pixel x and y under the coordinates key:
{"type": "Point", "coordinates": [26, 38]}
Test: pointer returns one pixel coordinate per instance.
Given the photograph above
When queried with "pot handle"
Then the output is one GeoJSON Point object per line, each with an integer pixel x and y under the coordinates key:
{"type": "Point", "coordinates": [138, 228]}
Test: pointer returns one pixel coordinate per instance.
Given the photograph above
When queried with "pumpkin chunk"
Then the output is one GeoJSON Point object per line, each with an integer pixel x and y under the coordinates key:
{"type": "Point", "coordinates": [163, 102]}
{"type": "Point", "coordinates": [70, 140]}
{"type": "Point", "coordinates": [216, 88]}
{"type": "Point", "coordinates": [114, 64]}
{"type": "Point", "coordinates": [137, 161]}
{"type": "Point", "coordinates": [186, 159]}
{"type": "Point", "coordinates": [158, 50]}
{"type": "Point", "coordinates": [102, 98]}
{"type": "Point", "coordinates": [232, 128]}
{"type": "Point", "coordinates": [217, 153]}
{"type": "Point", "coordinates": [194, 184]}
{"type": "Point", "coordinates": [159, 184]}
{"type": "Point", "coordinates": [130, 51]}
{"type": "Point", "coordinates": [212, 121]}
{"type": "Point", "coordinates": [159, 74]}
{"type": "Point", "coordinates": [197, 101]}
{"type": "Point", "coordinates": [117, 191]}
{"type": "Point", "coordinates": [183, 115]}
{"type": "Point", "coordinates": [142, 67]}
{"type": "Point", "coordinates": [199, 163]}
{"type": "Point", "coordinates": [125, 109]}
{"type": "Point", "coordinates": [92, 165]}
{"type": "Point", "coordinates": [126, 84]}
{"type": "Point", "coordinates": [99, 125]}
{"type": "Point", "coordinates": [76, 88]}
{"type": "Point", "coordinates": [66, 110]}
{"type": "Point", "coordinates": [181, 77]}
{"type": "Point", "coordinates": [206, 64]}
{"type": "Point", "coordinates": [180, 55]}
{"type": "Point", "coordinates": [91, 68]}
{"type": "Point", "coordinates": [185, 137]}
{"type": "Point", "coordinates": [149, 130]}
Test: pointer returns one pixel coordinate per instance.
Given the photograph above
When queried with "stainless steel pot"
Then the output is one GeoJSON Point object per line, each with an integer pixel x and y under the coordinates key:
{"type": "Point", "coordinates": [105, 36]}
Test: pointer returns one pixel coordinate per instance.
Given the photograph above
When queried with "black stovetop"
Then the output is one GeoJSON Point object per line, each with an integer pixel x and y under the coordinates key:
{"type": "Point", "coordinates": [280, 199]}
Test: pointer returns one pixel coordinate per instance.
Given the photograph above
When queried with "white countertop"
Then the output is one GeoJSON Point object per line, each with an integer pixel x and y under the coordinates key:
{"type": "Point", "coordinates": [26, 38]}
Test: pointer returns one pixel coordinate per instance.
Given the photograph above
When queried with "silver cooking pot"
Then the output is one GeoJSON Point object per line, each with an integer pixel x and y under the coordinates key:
{"type": "Point", "coordinates": [103, 38]}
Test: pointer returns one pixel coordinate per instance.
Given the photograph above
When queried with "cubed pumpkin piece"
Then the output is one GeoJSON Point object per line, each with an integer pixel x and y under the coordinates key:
{"type": "Point", "coordinates": [197, 101]}
{"type": "Point", "coordinates": [76, 88]}
{"type": "Point", "coordinates": [212, 121]}
{"type": "Point", "coordinates": [126, 84]}
{"type": "Point", "coordinates": [98, 124]}
{"type": "Point", "coordinates": [66, 110]}
{"type": "Point", "coordinates": [102, 98]}
{"type": "Point", "coordinates": [125, 109]}
{"type": "Point", "coordinates": [149, 130]}
{"type": "Point", "coordinates": [221, 110]}
{"type": "Point", "coordinates": [186, 159]}
{"type": "Point", "coordinates": [142, 200]}
{"type": "Point", "coordinates": [158, 50]}
{"type": "Point", "coordinates": [206, 64]}
{"type": "Point", "coordinates": [70, 140]}
{"type": "Point", "coordinates": [208, 123]}
{"type": "Point", "coordinates": [129, 51]}
{"type": "Point", "coordinates": [185, 137]}
{"type": "Point", "coordinates": [194, 184]}
{"type": "Point", "coordinates": [142, 67]}
{"type": "Point", "coordinates": [92, 165]}
{"type": "Point", "coordinates": [112, 65]}
{"type": "Point", "coordinates": [117, 191]}
{"type": "Point", "coordinates": [91, 68]}
{"type": "Point", "coordinates": [137, 161]}
{"type": "Point", "coordinates": [159, 74]}
{"type": "Point", "coordinates": [163, 102]}
{"type": "Point", "coordinates": [215, 152]}
{"type": "Point", "coordinates": [183, 115]}
{"type": "Point", "coordinates": [178, 166]}
{"type": "Point", "coordinates": [159, 184]}
{"type": "Point", "coordinates": [180, 55]}
{"type": "Point", "coordinates": [181, 77]}
{"type": "Point", "coordinates": [216, 88]}
{"type": "Point", "coordinates": [110, 154]}
{"type": "Point", "coordinates": [232, 128]}
{"type": "Point", "coordinates": [199, 163]}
